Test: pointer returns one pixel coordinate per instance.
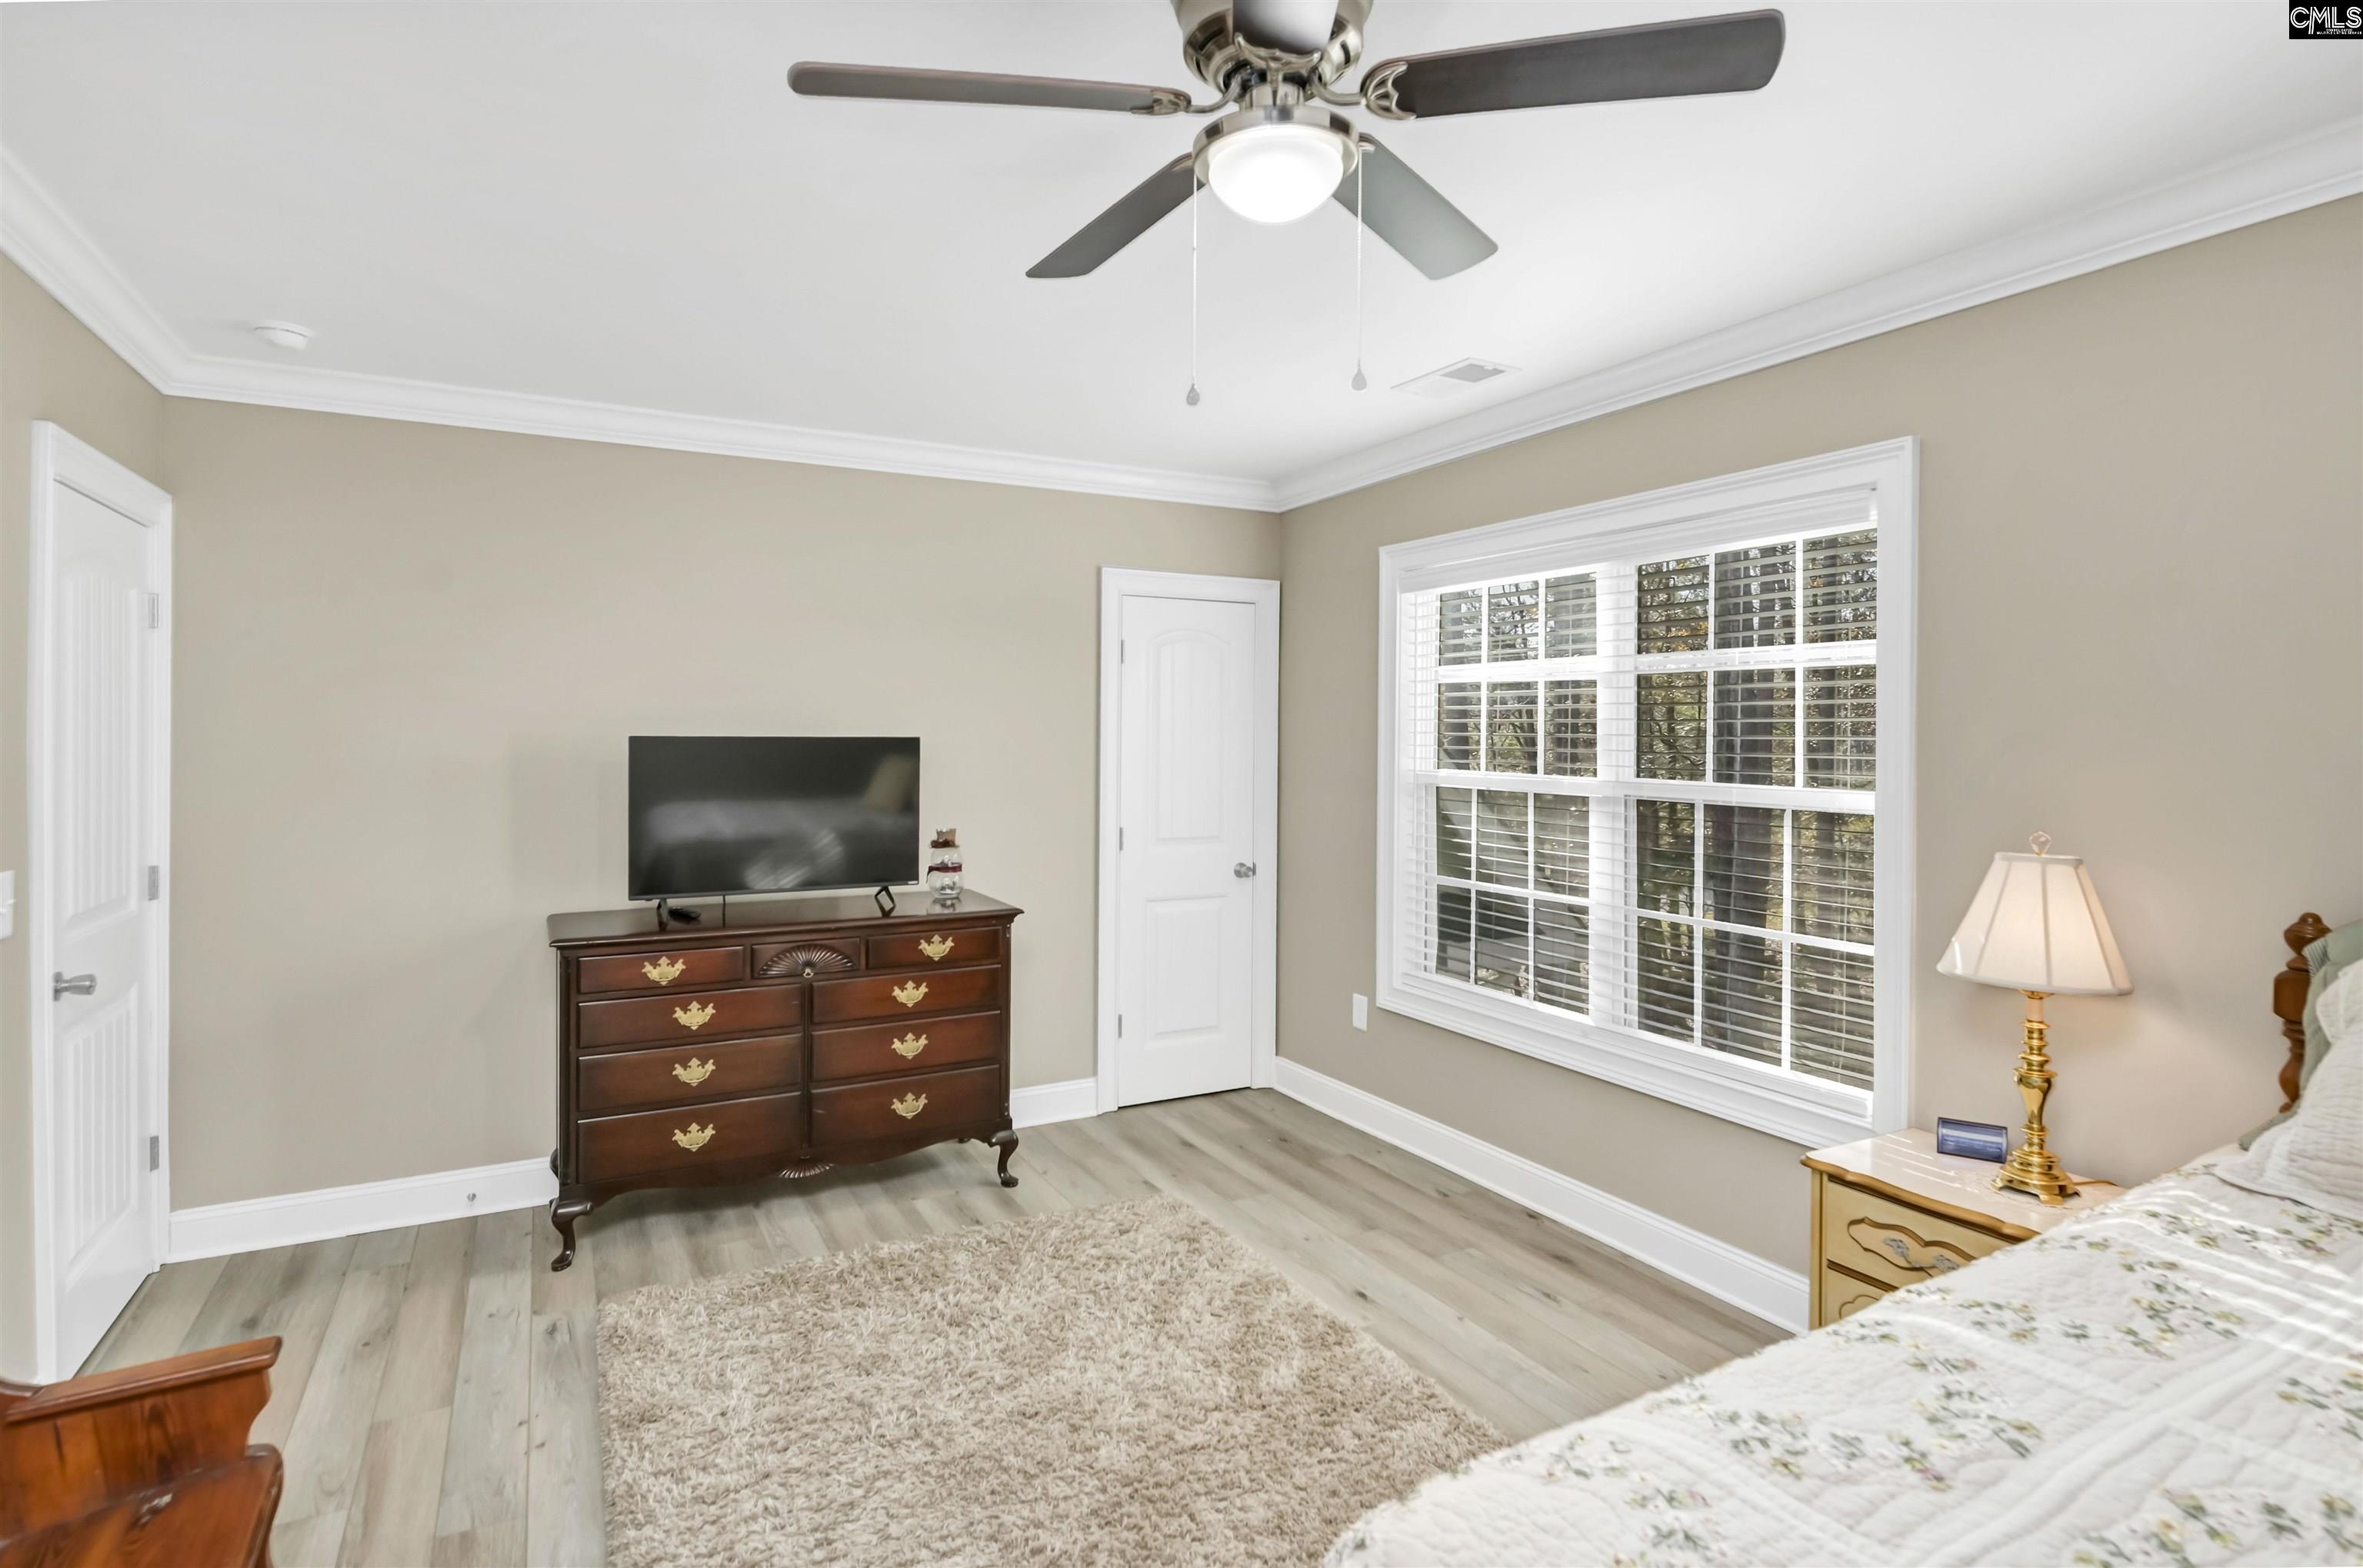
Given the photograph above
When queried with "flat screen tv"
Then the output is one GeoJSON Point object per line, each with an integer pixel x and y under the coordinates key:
{"type": "Point", "coordinates": [719, 814]}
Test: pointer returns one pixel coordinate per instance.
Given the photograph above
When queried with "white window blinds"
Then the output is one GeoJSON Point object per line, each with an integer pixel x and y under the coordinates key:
{"type": "Point", "coordinates": [1636, 783]}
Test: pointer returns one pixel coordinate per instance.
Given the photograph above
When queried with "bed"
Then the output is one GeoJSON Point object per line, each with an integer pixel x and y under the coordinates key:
{"type": "Point", "coordinates": [2175, 1378]}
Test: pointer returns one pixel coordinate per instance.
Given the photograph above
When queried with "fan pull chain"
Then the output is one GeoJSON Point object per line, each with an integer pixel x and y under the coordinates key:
{"type": "Point", "coordinates": [1191, 399]}
{"type": "Point", "coordinates": [1361, 381]}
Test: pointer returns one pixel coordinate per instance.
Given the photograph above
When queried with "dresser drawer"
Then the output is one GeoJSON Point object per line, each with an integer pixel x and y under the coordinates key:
{"type": "Point", "coordinates": [625, 1080]}
{"type": "Point", "coordinates": [1893, 1243]}
{"type": "Point", "coordinates": [897, 996]}
{"type": "Point", "coordinates": [685, 970]}
{"type": "Point", "coordinates": [918, 1046]}
{"type": "Point", "coordinates": [932, 949]}
{"type": "Point", "coordinates": [1843, 1294]}
{"type": "Point", "coordinates": [721, 1134]}
{"type": "Point", "coordinates": [702, 1016]}
{"type": "Point", "coordinates": [812, 955]}
{"type": "Point", "coordinates": [911, 1106]}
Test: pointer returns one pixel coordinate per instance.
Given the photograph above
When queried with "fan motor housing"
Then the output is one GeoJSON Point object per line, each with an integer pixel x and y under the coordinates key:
{"type": "Point", "coordinates": [1217, 55]}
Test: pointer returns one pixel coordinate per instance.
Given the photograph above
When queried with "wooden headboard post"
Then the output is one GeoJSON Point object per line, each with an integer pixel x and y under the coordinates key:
{"type": "Point", "coordinates": [2289, 998]}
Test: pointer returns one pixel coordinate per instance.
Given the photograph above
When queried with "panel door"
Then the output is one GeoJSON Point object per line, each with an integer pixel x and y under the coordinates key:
{"type": "Point", "coordinates": [103, 1197]}
{"type": "Point", "coordinates": [1185, 954]}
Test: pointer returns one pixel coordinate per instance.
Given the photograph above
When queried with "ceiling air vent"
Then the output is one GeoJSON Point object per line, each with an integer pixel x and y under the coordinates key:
{"type": "Point", "coordinates": [1454, 379]}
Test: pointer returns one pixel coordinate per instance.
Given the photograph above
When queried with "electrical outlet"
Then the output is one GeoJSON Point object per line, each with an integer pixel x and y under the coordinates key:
{"type": "Point", "coordinates": [1361, 1011]}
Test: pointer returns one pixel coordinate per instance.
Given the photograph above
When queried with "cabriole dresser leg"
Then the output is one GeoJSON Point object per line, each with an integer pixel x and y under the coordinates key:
{"type": "Point", "coordinates": [1006, 1140]}
{"type": "Point", "coordinates": [564, 1209]}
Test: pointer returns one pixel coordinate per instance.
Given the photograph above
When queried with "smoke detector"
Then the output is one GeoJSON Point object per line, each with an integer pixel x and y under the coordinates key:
{"type": "Point", "coordinates": [1451, 381]}
{"type": "Point", "coordinates": [285, 335]}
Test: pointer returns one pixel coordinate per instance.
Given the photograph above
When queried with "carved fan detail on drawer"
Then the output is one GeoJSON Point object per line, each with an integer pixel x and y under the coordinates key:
{"type": "Point", "coordinates": [814, 960]}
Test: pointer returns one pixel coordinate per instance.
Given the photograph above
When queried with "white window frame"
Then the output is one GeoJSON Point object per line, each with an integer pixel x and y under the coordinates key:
{"type": "Point", "coordinates": [1673, 522]}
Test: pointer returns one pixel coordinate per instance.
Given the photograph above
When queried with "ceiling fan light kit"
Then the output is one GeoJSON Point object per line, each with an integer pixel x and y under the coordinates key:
{"type": "Point", "coordinates": [1277, 162]}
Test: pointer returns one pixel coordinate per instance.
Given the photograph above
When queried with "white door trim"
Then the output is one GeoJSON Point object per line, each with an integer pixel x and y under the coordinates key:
{"type": "Point", "coordinates": [1116, 583]}
{"type": "Point", "coordinates": [59, 458]}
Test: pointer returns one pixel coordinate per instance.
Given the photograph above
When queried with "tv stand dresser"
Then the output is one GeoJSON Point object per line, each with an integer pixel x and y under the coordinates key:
{"type": "Point", "coordinates": [778, 1038]}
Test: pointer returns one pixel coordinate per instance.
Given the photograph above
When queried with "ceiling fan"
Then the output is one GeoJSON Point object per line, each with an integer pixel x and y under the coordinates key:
{"type": "Point", "coordinates": [1280, 151]}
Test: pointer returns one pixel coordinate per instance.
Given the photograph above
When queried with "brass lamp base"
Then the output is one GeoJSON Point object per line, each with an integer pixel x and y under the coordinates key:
{"type": "Point", "coordinates": [2042, 1175]}
{"type": "Point", "coordinates": [2032, 1166]}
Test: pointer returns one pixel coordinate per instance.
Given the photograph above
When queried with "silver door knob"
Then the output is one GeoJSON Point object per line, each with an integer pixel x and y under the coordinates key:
{"type": "Point", "coordinates": [1243, 869]}
{"type": "Point", "coordinates": [64, 985]}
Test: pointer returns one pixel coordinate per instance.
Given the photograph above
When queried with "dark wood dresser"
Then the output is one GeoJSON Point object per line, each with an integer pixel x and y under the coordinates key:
{"type": "Point", "coordinates": [778, 1038]}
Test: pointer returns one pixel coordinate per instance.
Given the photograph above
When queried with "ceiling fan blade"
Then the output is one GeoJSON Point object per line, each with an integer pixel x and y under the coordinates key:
{"type": "Point", "coordinates": [816, 79]}
{"type": "Point", "coordinates": [1412, 215]}
{"type": "Point", "coordinates": [1133, 215]}
{"type": "Point", "coordinates": [1295, 27]}
{"type": "Point", "coordinates": [1736, 53]}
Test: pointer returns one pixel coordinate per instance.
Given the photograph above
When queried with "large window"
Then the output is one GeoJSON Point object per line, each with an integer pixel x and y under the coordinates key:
{"type": "Point", "coordinates": [1645, 776]}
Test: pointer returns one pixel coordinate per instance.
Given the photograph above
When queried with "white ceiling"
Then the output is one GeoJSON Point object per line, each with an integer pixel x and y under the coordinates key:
{"type": "Point", "coordinates": [623, 203]}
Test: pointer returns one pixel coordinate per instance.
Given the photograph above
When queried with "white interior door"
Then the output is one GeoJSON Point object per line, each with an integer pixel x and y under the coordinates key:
{"type": "Point", "coordinates": [98, 824]}
{"type": "Point", "coordinates": [1186, 960]}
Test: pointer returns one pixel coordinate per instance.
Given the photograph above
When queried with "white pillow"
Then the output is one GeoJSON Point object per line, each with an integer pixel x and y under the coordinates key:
{"type": "Point", "coordinates": [2316, 1156]}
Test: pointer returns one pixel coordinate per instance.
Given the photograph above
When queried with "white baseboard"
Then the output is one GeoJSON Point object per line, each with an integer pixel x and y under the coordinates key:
{"type": "Point", "coordinates": [1754, 1285]}
{"type": "Point", "coordinates": [1069, 1102]}
{"type": "Point", "coordinates": [331, 1211]}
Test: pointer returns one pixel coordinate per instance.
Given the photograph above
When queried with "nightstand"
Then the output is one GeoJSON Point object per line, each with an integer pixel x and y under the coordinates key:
{"type": "Point", "coordinates": [1892, 1211]}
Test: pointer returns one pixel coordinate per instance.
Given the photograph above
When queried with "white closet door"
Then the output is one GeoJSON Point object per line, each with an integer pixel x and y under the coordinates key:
{"type": "Point", "coordinates": [1186, 905]}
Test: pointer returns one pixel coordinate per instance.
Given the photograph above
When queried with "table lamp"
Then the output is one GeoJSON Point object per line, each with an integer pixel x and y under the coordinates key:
{"type": "Point", "coordinates": [2036, 927]}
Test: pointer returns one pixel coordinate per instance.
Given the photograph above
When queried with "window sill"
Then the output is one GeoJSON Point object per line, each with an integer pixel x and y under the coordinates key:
{"type": "Point", "coordinates": [1728, 1091]}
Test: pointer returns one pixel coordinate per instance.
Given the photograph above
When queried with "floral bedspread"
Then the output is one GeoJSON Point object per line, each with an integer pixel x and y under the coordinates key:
{"type": "Point", "coordinates": [2176, 1378]}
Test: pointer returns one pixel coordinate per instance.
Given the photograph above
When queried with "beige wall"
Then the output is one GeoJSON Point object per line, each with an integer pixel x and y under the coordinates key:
{"type": "Point", "coordinates": [407, 658]}
{"type": "Point", "coordinates": [50, 367]}
{"type": "Point", "coordinates": [2141, 629]}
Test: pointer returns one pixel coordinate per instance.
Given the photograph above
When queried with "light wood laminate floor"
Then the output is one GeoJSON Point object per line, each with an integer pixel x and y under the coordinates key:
{"type": "Point", "coordinates": [436, 1393]}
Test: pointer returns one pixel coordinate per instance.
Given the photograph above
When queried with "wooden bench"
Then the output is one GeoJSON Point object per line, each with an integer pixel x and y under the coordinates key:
{"type": "Point", "coordinates": [149, 1464]}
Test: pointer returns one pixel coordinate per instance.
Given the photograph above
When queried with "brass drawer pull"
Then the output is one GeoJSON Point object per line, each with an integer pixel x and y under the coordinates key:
{"type": "Point", "coordinates": [693, 1072]}
{"type": "Point", "coordinates": [909, 1046]}
{"type": "Point", "coordinates": [694, 1137]}
{"type": "Point", "coordinates": [910, 1105]}
{"type": "Point", "coordinates": [664, 971]}
{"type": "Point", "coordinates": [696, 1015]}
{"type": "Point", "coordinates": [909, 992]}
{"type": "Point", "coordinates": [1902, 1248]}
{"type": "Point", "coordinates": [935, 947]}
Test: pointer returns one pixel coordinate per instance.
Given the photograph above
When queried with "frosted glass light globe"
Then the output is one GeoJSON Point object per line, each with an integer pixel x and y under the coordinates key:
{"type": "Point", "coordinates": [1276, 173]}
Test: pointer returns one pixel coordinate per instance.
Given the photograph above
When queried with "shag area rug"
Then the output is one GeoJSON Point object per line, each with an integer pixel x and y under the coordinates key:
{"type": "Point", "coordinates": [1124, 1385]}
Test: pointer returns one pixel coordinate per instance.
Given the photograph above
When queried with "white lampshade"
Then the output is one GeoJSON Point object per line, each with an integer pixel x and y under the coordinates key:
{"type": "Point", "coordinates": [2036, 925]}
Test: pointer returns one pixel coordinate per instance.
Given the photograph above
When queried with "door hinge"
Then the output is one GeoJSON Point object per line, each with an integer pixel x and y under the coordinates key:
{"type": "Point", "coordinates": [155, 1152]}
{"type": "Point", "coordinates": [1119, 838]}
{"type": "Point", "coordinates": [155, 611]}
{"type": "Point", "coordinates": [1119, 1026]}
{"type": "Point", "coordinates": [155, 882]}
{"type": "Point", "coordinates": [1120, 655]}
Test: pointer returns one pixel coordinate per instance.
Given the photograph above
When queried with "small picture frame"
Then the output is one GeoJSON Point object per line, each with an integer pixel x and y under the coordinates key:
{"type": "Point", "coordinates": [1972, 1140]}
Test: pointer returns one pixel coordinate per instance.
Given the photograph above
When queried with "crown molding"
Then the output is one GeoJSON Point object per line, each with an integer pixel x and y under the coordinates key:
{"type": "Point", "coordinates": [2320, 166]}
{"type": "Point", "coordinates": [56, 254]}
{"type": "Point", "coordinates": [2313, 169]}
{"type": "Point", "coordinates": [431, 402]}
